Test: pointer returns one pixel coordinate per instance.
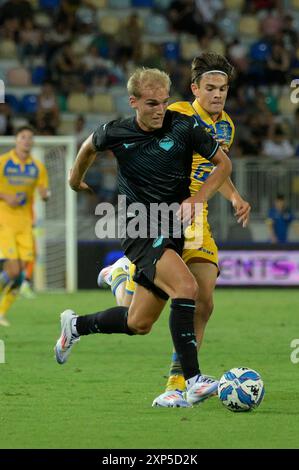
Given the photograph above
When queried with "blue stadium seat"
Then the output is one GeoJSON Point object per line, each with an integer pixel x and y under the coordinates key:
{"type": "Point", "coordinates": [157, 25]}
{"type": "Point", "coordinates": [49, 4]}
{"type": "Point", "coordinates": [29, 104]}
{"type": "Point", "coordinates": [142, 3]}
{"type": "Point", "coordinates": [171, 51]}
{"type": "Point", "coordinates": [38, 75]}
{"type": "Point", "coordinates": [13, 102]}
{"type": "Point", "coordinates": [122, 105]}
{"type": "Point", "coordinates": [162, 4]}
{"type": "Point", "coordinates": [259, 51]}
{"type": "Point", "coordinates": [228, 27]}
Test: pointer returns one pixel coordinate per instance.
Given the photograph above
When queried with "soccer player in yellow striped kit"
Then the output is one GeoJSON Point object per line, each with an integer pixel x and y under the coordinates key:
{"type": "Point", "coordinates": [210, 76]}
{"type": "Point", "coordinates": [20, 175]}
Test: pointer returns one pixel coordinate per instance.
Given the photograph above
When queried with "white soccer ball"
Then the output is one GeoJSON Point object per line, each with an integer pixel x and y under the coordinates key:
{"type": "Point", "coordinates": [241, 389]}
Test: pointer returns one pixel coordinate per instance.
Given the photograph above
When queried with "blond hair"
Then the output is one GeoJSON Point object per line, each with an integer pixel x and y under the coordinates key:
{"type": "Point", "coordinates": [147, 78]}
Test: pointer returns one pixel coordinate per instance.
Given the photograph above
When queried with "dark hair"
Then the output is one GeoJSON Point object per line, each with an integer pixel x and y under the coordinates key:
{"type": "Point", "coordinates": [24, 128]}
{"type": "Point", "coordinates": [280, 196]}
{"type": "Point", "coordinates": [210, 61]}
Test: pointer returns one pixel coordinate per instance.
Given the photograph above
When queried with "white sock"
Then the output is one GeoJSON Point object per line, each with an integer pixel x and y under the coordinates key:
{"type": "Point", "coordinates": [190, 382]}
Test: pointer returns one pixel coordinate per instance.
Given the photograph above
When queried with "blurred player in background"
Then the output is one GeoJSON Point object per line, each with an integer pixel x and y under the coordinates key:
{"type": "Point", "coordinates": [26, 287]}
{"type": "Point", "coordinates": [20, 175]}
{"type": "Point", "coordinates": [279, 220]}
{"type": "Point", "coordinates": [26, 290]}
{"type": "Point", "coordinates": [211, 75]}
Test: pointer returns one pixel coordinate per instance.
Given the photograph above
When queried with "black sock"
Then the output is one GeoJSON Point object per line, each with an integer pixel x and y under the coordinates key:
{"type": "Point", "coordinates": [113, 320]}
{"type": "Point", "coordinates": [181, 323]}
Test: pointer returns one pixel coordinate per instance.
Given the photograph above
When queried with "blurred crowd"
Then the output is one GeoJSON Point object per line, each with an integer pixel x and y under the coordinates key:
{"type": "Point", "coordinates": [65, 64]}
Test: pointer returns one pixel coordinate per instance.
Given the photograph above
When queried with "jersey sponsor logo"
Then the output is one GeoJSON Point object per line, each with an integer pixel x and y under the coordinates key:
{"type": "Point", "coordinates": [128, 145]}
{"type": "Point", "coordinates": [204, 250]}
{"type": "Point", "coordinates": [166, 143]}
{"type": "Point", "coordinates": [12, 170]}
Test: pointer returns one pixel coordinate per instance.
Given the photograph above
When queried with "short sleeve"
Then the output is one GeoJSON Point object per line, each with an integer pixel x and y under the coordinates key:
{"type": "Point", "coordinates": [232, 135]}
{"type": "Point", "coordinates": [203, 143]}
{"type": "Point", "coordinates": [43, 181]}
{"type": "Point", "coordinates": [99, 138]}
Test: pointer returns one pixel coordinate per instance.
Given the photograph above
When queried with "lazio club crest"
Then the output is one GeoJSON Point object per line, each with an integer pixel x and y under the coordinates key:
{"type": "Point", "coordinates": [166, 143]}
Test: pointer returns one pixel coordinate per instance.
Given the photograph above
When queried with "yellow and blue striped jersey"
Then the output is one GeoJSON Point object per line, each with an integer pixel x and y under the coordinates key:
{"type": "Point", "coordinates": [20, 178]}
{"type": "Point", "coordinates": [223, 129]}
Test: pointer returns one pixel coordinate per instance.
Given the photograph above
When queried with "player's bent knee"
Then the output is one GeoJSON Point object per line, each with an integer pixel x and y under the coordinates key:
{"type": "Point", "coordinates": [140, 327]}
{"type": "Point", "coordinates": [188, 290]}
{"type": "Point", "coordinates": [144, 331]}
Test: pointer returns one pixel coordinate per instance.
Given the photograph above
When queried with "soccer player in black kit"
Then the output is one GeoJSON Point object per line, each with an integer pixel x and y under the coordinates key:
{"type": "Point", "coordinates": [154, 153]}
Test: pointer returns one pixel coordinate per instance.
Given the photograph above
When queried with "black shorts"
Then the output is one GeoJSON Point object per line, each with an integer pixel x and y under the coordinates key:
{"type": "Point", "coordinates": [144, 253]}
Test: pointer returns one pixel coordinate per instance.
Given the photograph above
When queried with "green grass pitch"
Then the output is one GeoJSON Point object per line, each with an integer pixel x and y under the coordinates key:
{"type": "Point", "coordinates": [102, 397]}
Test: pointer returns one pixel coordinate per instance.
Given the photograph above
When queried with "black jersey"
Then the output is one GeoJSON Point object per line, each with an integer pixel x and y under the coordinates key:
{"type": "Point", "coordinates": [155, 166]}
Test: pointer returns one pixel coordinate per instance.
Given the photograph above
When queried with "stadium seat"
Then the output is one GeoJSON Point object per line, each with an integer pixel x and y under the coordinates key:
{"type": "Point", "coordinates": [285, 105]}
{"type": "Point", "coordinates": [43, 20]}
{"type": "Point", "coordinates": [142, 3]}
{"type": "Point", "coordinates": [98, 3]}
{"type": "Point", "coordinates": [162, 4]}
{"type": "Point", "coordinates": [156, 25]}
{"type": "Point", "coordinates": [189, 48]}
{"type": "Point", "coordinates": [109, 25]}
{"type": "Point", "coordinates": [66, 127]}
{"type": "Point", "coordinates": [122, 105]}
{"type": "Point", "coordinates": [8, 49]}
{"type": "Point", "coordinates": [78, 48]}
{"type": "Point", "coordinates": [272, 103]}
{"type": "Point", "coordinates": [62, 103]}
{"type": "Point", "coordinates": [228, 27]}
{"type": "Point", "coordinates": [13, 102]}
{"type": "Point", "coordinates": [38, 75]}
{"type": "Point", "coordinates": [171, 51]}
{"type": "Point", "coordinates": [249, 26]}
{"type": "Point", "coordinates": [102, 103]}
{"type": "Point", "coordinates": [49, 4]}
{"type": "Point", "coordinates": [217, 46]}
{"type": "Point", "coordinates": [18, 76]}
{"type": "Point", "coordinates": [234, 4]}
{"type": "Point", "coordinates": [259, 51]}
{"type": "Point", "coordinates": [78, 103]}
{"type": "Point", "coordinates": [295, 185]}
{"type": "Point", "coordinates": [119, 3]}
{"type": "Point", "coordinates": [29, 104]}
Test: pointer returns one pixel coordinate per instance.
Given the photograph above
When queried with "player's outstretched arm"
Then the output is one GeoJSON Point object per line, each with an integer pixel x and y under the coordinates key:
{"type": "Point", "coordinates": [84, 160]}
{"type": "Point", "coordinates": [242, 207]}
